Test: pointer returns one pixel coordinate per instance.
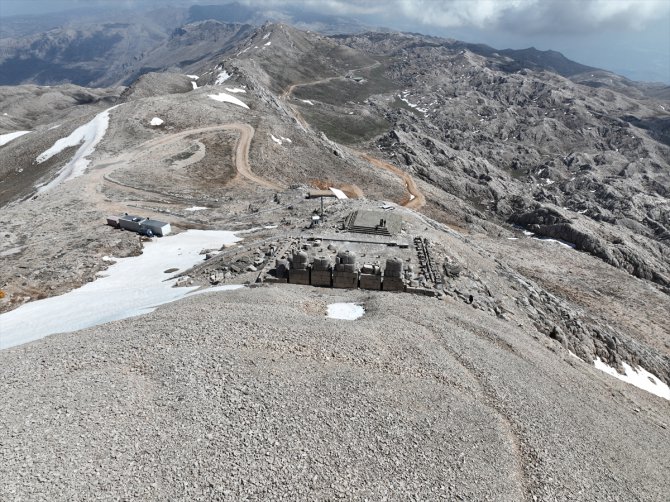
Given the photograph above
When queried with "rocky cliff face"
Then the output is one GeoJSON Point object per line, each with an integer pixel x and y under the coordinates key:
{"type": "Point", "coordinates": [586, 164]}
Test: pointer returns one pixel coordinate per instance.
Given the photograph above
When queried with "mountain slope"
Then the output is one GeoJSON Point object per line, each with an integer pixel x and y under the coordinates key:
{"type": "Point", "coordinates": [271, 399]}
{"type": "Point", "coordinates": [83, 53]}
{"type": "Point", "coordinates": [540, 201]}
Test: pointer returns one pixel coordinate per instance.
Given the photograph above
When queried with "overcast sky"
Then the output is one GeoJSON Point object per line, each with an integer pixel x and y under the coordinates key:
{"type": "Point", "coordinates": [631, 37]}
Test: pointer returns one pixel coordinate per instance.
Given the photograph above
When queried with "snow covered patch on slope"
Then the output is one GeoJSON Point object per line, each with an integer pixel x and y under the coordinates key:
{"type": "Point", "coordinates": [87, 136]}
{"type": "Point", "coordinates": [267, 35]}
{"type": "Point", "coordinates": [307, 102]}
{"type": "Point", "coordinates": [563, 243]}
{"type": "Point", "coordinates": [338, 193]}
{"type": "Point", "coordinates": [280, 140]}
{"type": "Point", "coordinates": [222, 77]}
{"type": "Point", "coordinates": [235, 90]}
{"type": "Point", "coordinates": [130, 287]}
{"type": "Point", "coordinates": [640, 378]}
{"type": "Point", "coordinates": [227, 98]}
{"type": "Point", "coordinates": [6, 138]}
{"type": "Point", "coordinates": [268, 44]}
{"type": "Point", "coordinates": [403, 97]}
{"type": "Point", "coordinates": [156, 121]}
{"type": "Point", "coordinates": [196, 208]}
{"type": "Point", "coordinates": [193, 81]}
{"type": "Point", "coordinates": [345, 311]}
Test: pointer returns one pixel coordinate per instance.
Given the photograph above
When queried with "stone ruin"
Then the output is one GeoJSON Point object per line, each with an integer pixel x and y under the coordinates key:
{"type": "Point", "coordinates": [393, 275]}
{"type": "Point", "coordinates": [344, 274]}
{"type": "Point", "coordinates": [322, 272]}
{"type": "Point", "coordinates": [299, 271]}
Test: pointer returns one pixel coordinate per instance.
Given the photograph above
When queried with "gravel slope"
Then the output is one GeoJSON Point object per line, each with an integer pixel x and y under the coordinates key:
{"type": "Point", "coordinates": [256, 395]}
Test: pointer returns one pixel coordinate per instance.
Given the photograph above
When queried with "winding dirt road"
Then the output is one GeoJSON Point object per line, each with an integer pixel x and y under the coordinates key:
{"type": "Point", "coordinates": [98, 177]}
{"type": "Point", "coordinates": [415, 199]}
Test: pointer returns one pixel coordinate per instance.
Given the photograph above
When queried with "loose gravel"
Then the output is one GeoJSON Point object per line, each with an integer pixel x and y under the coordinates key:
{"type": "Point", "coordinates": [255, 394]}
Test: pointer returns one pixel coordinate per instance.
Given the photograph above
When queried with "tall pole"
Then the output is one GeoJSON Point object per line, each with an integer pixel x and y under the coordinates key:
{"type": "Point", "coordinates": [322, 207]}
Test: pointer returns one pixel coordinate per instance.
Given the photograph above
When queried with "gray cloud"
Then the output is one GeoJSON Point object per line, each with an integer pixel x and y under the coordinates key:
{"type": "Point", "coordinates": [514, 16]}
{"type": "Point", "coordinates": [526, 16]}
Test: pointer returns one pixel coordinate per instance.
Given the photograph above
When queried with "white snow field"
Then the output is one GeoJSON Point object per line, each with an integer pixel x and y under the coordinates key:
{"type": "Point", "coordinates": [6, 138]}
{"type": "Point", "coordinates": [196, 208]}
{"type": "Point", "coordinates": [130, 287]}
{"type": "Point", "coordinates": [345, 311]}
{"type": "Point", "coordinates": [193, 77]}
{"type": "Point", "coordinates": [563, 243]}
{"type": "Point", "coordinates": [640, 377]}
{"type": "Point", "coordinates": [338, 193]}
{"type": "Point", "coordinates": [222, 77]}
{"type": "Point", "coordinates": [227, 98]}
{"type": "Point", "coordinates": [235, 90]}
{"type": "Point", "coordinates": [87, 136]}
{"type": "Point", "coordinates": [156, 121]}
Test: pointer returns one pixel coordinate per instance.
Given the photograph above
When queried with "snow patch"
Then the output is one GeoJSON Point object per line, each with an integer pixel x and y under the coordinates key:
{"type": "Point", "coordinates": [6, 138]}
{"type": "Point", "coordinates": [194, 85]}
{"type": "Point", "coordinates": [403, 98]}
{"type": "Point", "coordinates": [276, 140]}
{"type": "Point", "coordinates": [196, 208]}
{"type": "Point", "coordinates": [87, 136]}
{"type": "Point", "coordinates": [338, 193]}
{"type": "Point", "coordinates": [227, 98]}
{"type": "Point", "coordinates": [307, 102]}
{"type": "Point", "coordinates": [268, 44]}
{"type": "Point", "coordinates": [345, 311]}
{"type": "Point", "coordinates": [640, 378]}
{"type": "Point", "coordinates": [267, 35]}
{"type": "Point", "coordinates": [156, 121]}
{"type": "Point", "coordinates": [194, 77]}
{"type": "Point", "coordinates": [235, 90]}
{"type": "Point", "coordinates": [130, 287]}
{"type": "Point", "coordinates": [563, 243]}
{"type": "Point", "coordinates": [222, 77]}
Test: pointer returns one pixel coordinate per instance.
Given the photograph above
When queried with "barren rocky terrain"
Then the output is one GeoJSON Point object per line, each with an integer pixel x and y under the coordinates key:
{"type": "Point", "coordinates": [541, 188]}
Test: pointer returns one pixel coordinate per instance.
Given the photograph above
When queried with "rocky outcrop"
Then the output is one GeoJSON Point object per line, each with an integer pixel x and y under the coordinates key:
{"type": "Point", "coordinates": [549, 222]}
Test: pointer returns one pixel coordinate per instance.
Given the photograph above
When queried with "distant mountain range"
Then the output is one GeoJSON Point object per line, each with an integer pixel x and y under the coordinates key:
{"type": "Point", "coordinates": [50, 50]}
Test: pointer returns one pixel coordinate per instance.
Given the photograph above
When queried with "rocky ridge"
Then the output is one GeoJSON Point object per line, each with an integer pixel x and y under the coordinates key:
{"type": "Point", "coordinates": [504, 160]}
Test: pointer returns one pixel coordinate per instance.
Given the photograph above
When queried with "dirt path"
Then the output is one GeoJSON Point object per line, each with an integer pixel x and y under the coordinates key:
{"type": "Point", "coordinates": [416, 199]}
{"type": "Point", "coordinates": [289, 90]}
{"type": "Point", "coordinates": [98, 177]}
